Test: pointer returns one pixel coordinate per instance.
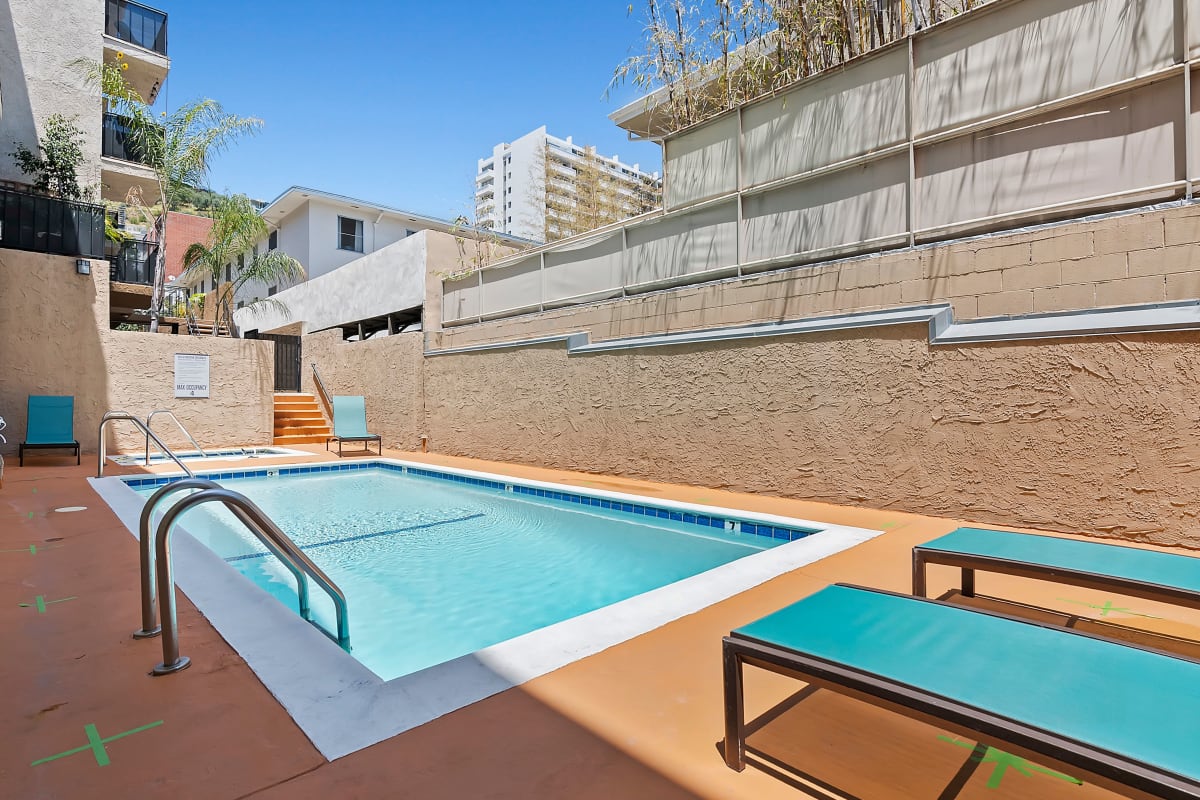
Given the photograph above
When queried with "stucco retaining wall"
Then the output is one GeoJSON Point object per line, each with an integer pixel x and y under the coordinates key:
{"type": "Point", "coordinates": [1096, 435]}
{"type": "Point", "coordinates": [55, 339]}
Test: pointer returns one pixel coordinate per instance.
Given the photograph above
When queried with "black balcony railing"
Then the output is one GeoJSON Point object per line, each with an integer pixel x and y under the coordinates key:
{"type": "Point", "coordinates": [49, 225]}
{"type": "Point", "coordinates": [132, 262]}
{"type": "Point", "coordinates": [137, 24]}
{"type": "Point", "coordinates": [117, 139]}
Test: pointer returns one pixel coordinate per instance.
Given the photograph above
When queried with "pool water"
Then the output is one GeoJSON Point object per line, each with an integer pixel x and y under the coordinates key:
{"type": "Point", "coordinates": [434, 570]}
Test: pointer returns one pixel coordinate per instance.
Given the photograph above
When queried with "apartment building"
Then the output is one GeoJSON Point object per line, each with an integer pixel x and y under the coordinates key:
{"type": "Point", "coordinates": [325, 231]}
{"type": "Point", "coordinates": [543, 188]}
{"type": "Point", "coordinates": [39, 48]}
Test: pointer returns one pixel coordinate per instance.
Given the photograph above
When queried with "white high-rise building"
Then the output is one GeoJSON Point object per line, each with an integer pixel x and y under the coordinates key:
{"type": "Point", "coordinates": [513, 195]}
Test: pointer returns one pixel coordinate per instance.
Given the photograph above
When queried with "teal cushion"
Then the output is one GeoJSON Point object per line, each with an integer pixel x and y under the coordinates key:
{"type": "Point", "coordinates": [1124, 700]}
{"type": "Point", "coordinates": [51, 420]}
{"type": "Point", "coordinates": [1162, 569]}
{"type": "Point", "coordinates": [350, 417]}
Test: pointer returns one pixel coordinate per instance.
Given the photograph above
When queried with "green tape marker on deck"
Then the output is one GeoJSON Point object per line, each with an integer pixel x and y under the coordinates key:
{"type": "Point", "coordinates": [96, 744]}
{"type": "Point", "coordinates": [41, 603]}
{"type": "Point", "coordinates": [1004, 762]}
{"type": "Point", "coordinates": [32, 550]}
{"type": "Point", "coordinates": [1108, 608]}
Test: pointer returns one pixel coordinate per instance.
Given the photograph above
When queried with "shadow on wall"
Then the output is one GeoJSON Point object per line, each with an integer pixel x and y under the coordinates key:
{"type": "Point", "coordinates": [50, 342]}
{"type": "Point", "coordinates": [16, 114]}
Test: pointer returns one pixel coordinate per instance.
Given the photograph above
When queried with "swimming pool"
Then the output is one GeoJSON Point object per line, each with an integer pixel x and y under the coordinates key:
{"type": "Point", "coordinates": [435, 569]}
{"type": "Point", "coordinates": [384, 535]}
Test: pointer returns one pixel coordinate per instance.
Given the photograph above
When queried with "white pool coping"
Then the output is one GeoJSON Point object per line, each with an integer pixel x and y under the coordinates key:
{"type": "Point", "coordinates": [194, 457]}
{"type": "Point", "coordinates": [342, 706]}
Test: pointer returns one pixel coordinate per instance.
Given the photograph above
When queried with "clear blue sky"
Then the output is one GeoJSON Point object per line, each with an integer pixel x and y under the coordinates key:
{"type": "Point", "coordinates": [393, 102]}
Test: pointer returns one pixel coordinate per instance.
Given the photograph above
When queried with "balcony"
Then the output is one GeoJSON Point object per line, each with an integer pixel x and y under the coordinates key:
{"type": "Point", "coordinates": [136, 24]}
{"type": "Point", "coordinates": [117, 139]}
{"type": "Point", "coordinates": [49, 225]}
{"type": "Point", "coordinates": [132, 262]}
{"type": "Point", "coordinates": [122, 164]}
{"type": "Point", "coordinates": [138, 34]}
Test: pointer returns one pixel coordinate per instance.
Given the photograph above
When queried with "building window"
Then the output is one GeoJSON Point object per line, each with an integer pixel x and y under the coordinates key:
{"type": "Point", "coordinates": [241, 304]}
{"type": "Point", "coordinates": [350, 234]}
{"type": "Point", "coordinates": [273, 240]}
{"type": "Point", "coordinates": [510, 219]}
{"type": "Point", "coordinates": [241, 262]}
{"type": "Point", "coordinates": [228, 269]}
{"type": "Point", "coordinates": [272, 291]}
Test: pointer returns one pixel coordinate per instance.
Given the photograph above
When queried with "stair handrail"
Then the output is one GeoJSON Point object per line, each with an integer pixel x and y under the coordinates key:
{"type": "Point", "coordinates": [150, 626]}
{"type": "Point", "coordinates": [171, 414]}
{"type": "Point", "coordinates": [113, 416]}
{"type": "Point", "coordinates": [190, 316]}
{"type": "Point", "coordinates": [321, 389]}
{"type": "Point", "coordinates": [263, 529]}
{"type": "Point", "coordinates": [226, 311]}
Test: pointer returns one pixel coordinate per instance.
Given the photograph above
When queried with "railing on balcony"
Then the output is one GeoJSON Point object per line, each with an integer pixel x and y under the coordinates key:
{"type": "Point", "coordinates": [117, 139]}
{"type": "Point", "coordinates": [137, 24]}
{"type": "Point", "coordinates": [49, 225]}
{"type": "Point", "coordinates": [132, 262]}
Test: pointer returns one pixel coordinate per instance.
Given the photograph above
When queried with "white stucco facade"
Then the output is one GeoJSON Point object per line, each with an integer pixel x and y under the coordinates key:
{"type": "Point", "coordinates": [388, 280]}
{"type": "Point", "coordinates": [307, 224]}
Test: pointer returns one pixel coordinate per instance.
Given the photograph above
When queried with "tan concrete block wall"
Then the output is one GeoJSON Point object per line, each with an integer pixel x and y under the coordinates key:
{"type": "Point", "coordinates": [55, 339]}
{"type": "Point", "coordinates": [1099, 435]}
{"type": "Point", "coordinates": [1148, 256]}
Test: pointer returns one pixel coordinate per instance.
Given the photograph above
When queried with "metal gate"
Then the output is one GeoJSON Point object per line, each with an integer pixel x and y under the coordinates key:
{"type": "Point", "coordinates": [287, 360]}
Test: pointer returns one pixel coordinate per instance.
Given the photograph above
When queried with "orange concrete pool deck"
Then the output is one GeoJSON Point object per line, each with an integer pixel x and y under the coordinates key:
{"type": "Point", "coordinates": [641, 719]}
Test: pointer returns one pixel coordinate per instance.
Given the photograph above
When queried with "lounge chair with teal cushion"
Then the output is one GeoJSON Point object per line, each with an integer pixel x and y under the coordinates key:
{"type": "Point", "coordinates": [51, 425]}
{"type": "Point", "coordinates": [350, 423]}
{"type": "Point", "coordinates": [1125, 716]}
{"type": "Point", "coordinates": [1166, 577]}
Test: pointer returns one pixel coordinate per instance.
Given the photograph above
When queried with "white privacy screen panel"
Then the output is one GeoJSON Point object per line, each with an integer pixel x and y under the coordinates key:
{"type": "Point", "coordinates": [701, 163]}
{"type": "Point", "coordinates": [512, 287]}
{"type": "Point", "coordinates": [591, 269]}
{"type": "Point", "coordinates": [682, 244]}
{"type": "Point", "coordinates": [846, 114]}
{"type": "Point", "coordinates": [1024, 54]}
{"type": "Point", "coordinates": [839, 209]}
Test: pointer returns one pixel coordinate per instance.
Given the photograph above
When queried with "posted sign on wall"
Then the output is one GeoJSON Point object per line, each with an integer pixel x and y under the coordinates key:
{"type": "Point", "coordinates": [191, 375]}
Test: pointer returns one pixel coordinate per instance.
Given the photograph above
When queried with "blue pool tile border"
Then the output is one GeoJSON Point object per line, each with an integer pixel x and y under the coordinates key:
{"type": "Point", "coordinates": [728, 524]}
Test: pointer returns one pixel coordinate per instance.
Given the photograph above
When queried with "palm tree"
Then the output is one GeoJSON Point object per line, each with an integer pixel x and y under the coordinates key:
{"type": "Point", "coordinates": [236, 229]}
{"type": "Point", "coordinates": [178, 146]}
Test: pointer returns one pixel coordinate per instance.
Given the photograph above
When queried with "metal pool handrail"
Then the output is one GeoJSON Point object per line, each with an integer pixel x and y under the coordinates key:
{"type": "Point", "coordinates": [112, 416]}
{"type": "Point", "coordinates": [321, 390]}
{"type": "Point", "coordinates": [265, 530]}
{"type": "Point", "coordinates": [175, 419]}
{"type": "Point", "coordinates": [150, 626]}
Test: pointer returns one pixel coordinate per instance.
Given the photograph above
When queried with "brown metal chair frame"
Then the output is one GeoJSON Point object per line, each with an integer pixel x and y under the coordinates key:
{"type": "Point", "coordinates": [969, 564]}
{"type": "Point", "coordinates": [366, 440]}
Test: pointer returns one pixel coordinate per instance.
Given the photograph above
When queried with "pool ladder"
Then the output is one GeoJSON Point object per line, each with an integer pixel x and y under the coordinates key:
{"type": "Point", "coordinates": [150, 421]}
{"type": "Point", "coordinates": [158, 561]}
{"type": "Point", "coordinates": [259, 524]}
{"type": "Point", "coordinates": [144, 427]}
